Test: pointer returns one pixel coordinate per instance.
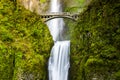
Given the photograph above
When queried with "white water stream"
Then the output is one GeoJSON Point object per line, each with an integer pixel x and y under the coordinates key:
{"type": "Point", "coordinates": [58, 64]}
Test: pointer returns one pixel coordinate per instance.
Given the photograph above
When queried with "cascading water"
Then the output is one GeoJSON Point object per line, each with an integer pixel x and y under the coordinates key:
{"type": "Point", "coordinates": [59, 60]}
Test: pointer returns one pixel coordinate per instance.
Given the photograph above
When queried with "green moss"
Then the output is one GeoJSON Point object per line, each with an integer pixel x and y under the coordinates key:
{"type": "Point", "coordinates": [96, 35]}
{"type": "Point", "coordinates": [117, 75]}
{"type": "Point", "coordinates": [25, 43]}
{"type": "Point", "coordinates": [42, 1]}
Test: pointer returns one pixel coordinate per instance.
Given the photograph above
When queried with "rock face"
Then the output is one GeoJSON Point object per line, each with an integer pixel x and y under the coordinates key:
{"type": "Point", "coordinates": [37, 6]}
{"type": "Point", "coordinates": [40, 6]}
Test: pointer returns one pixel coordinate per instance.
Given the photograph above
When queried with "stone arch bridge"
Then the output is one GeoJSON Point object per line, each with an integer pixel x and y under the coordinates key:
{"type": "Point", "coordinates": [52, 15]}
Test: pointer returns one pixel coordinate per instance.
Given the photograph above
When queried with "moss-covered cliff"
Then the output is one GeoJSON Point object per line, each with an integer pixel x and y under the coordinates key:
{"type": "Point", "coordinates": [25, 43]}
{"type": "Point", "coordinates": [95, 46]}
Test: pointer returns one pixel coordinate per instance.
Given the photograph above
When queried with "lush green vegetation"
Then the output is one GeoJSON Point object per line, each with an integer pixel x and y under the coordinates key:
{"type": "Point", "coordinates": [25, 43]}
{"type": "Point", "coordinates": [96, 41]}
{"type": "Point", "coordinates": [74, 5]}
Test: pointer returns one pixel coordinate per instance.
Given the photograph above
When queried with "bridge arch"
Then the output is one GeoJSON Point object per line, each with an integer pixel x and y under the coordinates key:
{"type": "Point", "coordinates": [53, 17]}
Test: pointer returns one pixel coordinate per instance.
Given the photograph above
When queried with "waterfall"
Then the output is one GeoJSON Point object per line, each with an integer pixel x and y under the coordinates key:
{"type": "Point", "coordinates": [58, 64]}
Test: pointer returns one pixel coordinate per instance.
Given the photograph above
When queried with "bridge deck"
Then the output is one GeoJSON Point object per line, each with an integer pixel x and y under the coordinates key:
{"type": "Point", "coordinates": [58, 14]}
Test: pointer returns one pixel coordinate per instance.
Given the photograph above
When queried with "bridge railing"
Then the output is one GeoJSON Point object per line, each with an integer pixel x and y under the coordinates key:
{"type": "Point", "coordinates": [58, 13]}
